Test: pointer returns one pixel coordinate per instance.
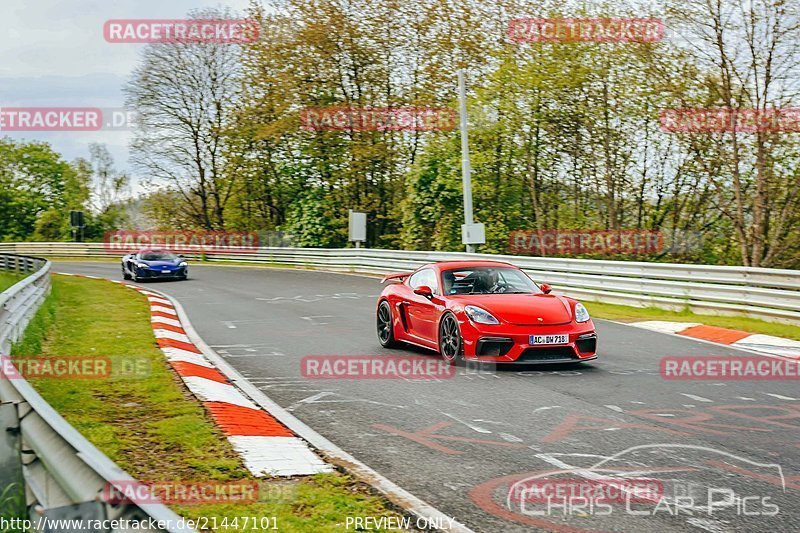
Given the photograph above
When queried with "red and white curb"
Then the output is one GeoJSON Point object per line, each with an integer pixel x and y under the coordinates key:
{"type": "Point", "coordinates": [266, 446]}
{"type": "Point", "coordinates": [756, 342]}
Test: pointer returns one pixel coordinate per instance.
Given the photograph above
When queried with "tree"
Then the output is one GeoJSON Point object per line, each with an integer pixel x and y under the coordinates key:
{"type": "Point", "coordinates": [184, 94]}
{"type": "Point", "coordinates": [563, 135]}
{"type": "Point", "coordinates": [749, 57]}
{"type": "Point", "coordinates": [37, 190]}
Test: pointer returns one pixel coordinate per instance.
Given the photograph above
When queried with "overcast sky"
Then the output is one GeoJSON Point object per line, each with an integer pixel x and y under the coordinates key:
{"type": "Point", "coordinates": [52, 54]}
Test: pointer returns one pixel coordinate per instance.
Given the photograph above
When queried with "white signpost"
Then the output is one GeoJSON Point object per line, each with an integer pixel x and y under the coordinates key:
{"type": "Point", "coordinates": [358, 227]}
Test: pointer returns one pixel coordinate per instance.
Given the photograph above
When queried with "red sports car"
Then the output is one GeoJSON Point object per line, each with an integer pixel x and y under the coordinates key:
{"type": "Point", "coordinates": [483, 311]}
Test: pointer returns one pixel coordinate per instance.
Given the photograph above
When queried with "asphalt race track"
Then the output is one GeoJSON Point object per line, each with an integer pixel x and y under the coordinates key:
{"type": "Point", "coordinates": [459, 443]}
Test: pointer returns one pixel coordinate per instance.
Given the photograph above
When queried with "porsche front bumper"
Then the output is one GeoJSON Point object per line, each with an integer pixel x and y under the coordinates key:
{"type": "Point", "coordinates": [505, 343]}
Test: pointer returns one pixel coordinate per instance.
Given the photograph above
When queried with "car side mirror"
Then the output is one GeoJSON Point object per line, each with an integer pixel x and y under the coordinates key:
{"type": "Point", "coordinates": [424, 290]}
{"type": "Point", "coordinates": [546, 288]}
{"type": "Point", "coordinates": [180, 255]}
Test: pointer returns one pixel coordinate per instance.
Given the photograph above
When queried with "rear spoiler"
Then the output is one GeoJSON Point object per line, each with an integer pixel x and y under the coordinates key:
{"type": "Point", "coordinates": [397, 276]}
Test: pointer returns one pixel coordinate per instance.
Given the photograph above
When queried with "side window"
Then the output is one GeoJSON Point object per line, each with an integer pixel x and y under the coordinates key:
{"type": "Point", "coordinates": [417, 280]}
{"type": "Point", "coordinates": [432, 281]}
{"type": "Point", "coordinates": [424, 277]}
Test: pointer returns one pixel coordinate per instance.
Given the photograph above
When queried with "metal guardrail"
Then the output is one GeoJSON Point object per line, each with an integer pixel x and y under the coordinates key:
{"type": "Point", "coordinates": [765, 293]}
{"type": "Point", "coordinates": [19, 303]}
{"type": "Point", "coordinates": [49, 471]}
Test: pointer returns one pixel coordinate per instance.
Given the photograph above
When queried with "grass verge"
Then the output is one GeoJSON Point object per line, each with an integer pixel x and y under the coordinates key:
{"type": "Point", "coordinates": [624, 313]}
{"type": "Point", "coordinates": [152, 427]}
{"type": "Point", "coordinates": [7, 279]}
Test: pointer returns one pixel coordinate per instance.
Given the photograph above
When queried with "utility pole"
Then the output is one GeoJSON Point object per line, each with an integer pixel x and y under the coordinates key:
{"type": "Point", "coordinates": [471, 233]}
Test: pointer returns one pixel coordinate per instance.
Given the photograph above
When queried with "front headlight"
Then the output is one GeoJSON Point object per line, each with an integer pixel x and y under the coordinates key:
{"type": "Point", "coordinates": [142, 265]}
{"type": "Point", "coordinates": [581, 314]}
{"type": "Point", "coordinates": [481, 316]}
{"type": "Point", "coordinates": [183, 264]}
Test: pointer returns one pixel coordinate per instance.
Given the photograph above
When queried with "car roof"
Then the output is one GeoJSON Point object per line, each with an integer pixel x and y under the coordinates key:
{"type": "Point", "coordinates": [451, 265]}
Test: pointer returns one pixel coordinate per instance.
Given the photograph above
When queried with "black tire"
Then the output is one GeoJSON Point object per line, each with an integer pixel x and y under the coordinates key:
{"type": "Point", "coordinates": [385, 325]}
{"type": "Point", "coordinates": [125, 274]}
{"type": "Point", "coordinates": [451, 345]}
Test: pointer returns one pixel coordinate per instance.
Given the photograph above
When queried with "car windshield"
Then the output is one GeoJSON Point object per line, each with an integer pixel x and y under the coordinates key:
{"type": "Point", "coordinates": [487, 280]}
{"type": "Point", "coordinates": [157, 256]}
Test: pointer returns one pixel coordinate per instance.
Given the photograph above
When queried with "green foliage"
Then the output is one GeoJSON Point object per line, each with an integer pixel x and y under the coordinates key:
{"type": "Point", "coordinates": [34, 180]}
{"type": "Point", "coordinates": [562, 136]}
{"type": "Point", "coordinates": [51, 225]}
{"type": "Point", "coordinates": [312, 223]}
{"type": "Point", "coordinates": [433, 208]}
{"type": "Point", "coordinates": [38, 189]}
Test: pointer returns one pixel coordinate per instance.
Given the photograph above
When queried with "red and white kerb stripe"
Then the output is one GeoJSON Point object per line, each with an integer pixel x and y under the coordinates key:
{"type": "Point", "coordinates": [266, 446]}
{"type": "Point", "coordinates": [767, 344]}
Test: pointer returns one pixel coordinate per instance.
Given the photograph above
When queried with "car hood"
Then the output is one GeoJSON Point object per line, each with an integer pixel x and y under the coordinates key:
{"type": "Point", "coordinates": [160, 263]}
{"type": "Point", "coordinates": [523, 309]}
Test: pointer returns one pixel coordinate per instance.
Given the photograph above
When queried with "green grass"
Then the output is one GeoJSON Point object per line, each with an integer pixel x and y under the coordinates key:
{"type": "Point", "coordinates": [151, 426]}
{"type": "Point", "coordinates": [7, 279]}
{"type": "Point", "coordinates": [12, 505]}
{"type": "Point", "coordinates": [624, 313]}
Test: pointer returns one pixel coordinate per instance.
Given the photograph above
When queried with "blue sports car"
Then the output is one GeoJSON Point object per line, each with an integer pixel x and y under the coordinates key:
{"type": "Point", "coordinates": [154, 264]}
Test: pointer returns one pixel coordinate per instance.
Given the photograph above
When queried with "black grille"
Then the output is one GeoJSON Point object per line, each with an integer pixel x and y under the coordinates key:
{"type": "Point", "coordinates": [587, 345]}
{"type": "Point", "coordinates": [160, 274]}
{"type": "Point", "coordinates": [555, 353]}
{"type": "Point", "coordinates": [492, 346]}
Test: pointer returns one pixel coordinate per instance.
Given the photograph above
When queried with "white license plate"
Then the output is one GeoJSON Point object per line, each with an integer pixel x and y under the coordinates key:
{"type": "Point", "coordinates": [548, 339]}
{"type": "Point", "coordinates": [165, 271]}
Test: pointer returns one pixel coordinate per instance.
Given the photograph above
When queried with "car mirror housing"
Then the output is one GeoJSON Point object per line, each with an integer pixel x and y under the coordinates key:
{"type": "Point", "coordinates": [546, 288]}
{"type": "Point", "coordinates": [424, 290]}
